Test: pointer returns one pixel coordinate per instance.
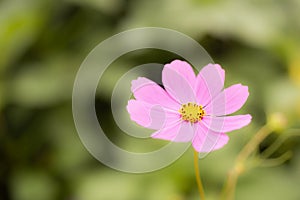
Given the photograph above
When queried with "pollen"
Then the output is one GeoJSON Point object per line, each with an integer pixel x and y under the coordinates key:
{"type": "Point", "coordinates": [191, 112]}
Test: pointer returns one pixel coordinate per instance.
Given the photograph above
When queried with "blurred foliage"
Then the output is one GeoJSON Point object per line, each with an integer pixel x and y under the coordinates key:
{"type": "Point", "coordinates": [43, 44]}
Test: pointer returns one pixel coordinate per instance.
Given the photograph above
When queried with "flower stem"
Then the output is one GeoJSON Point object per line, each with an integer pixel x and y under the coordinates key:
{"type": "Point", "coordinates": [198, 179]}
{"type": "Point", "coordinates": [229, 189]}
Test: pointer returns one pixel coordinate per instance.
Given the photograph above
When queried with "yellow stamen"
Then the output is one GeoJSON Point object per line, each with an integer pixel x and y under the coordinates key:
{"type": "Point", "coordinates": [191, 112]}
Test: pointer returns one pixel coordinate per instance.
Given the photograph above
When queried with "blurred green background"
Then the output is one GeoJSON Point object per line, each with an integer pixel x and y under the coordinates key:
{"type": "Point", "coordinates": [43, 43]}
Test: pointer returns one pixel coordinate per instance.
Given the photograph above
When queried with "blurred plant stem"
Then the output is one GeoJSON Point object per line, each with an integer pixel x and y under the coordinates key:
{"type": "Point", "coordinates": [197, 174]}
{"type": "Point", "coordinates": [275, 145]}
{"type": "Point", "coordinates": [251, 146]}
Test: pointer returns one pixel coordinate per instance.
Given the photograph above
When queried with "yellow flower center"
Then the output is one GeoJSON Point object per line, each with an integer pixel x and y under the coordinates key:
{"type": "Point", "coordinates": [191, 112]}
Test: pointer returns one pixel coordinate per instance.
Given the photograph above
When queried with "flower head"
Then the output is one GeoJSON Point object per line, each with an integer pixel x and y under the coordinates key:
{"type": "Point", "coordinates": [189, 107]}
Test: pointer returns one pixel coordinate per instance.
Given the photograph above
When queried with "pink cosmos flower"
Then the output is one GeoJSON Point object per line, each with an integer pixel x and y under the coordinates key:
{"type": "Point", "coordinates": [189, 107]}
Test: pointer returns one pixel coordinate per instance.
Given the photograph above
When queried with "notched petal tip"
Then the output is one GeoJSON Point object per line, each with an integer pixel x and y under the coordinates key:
{"type": "Point", "coordinates": [138, 83]}
{"type": "Point", "coordinates": [177, 62]}
{"type": "Point", "coordinates": [138, 112]}
{"type": "Point", "coordinates": [130, 105]}
{"type": "Point", "coordinates": [244, 89]}
{"type": "Point", "coordinates": [249, 115]}
{"type": "Point", "coordinates": [215, 66]}
{"type": "Point", "coordinates": [227, 123]}
{"type": "Point", "coordinates": [184, 69]}
{"type": "Point", "coordinates": [248, 118]}
{"type": "Point", "coordinates": [228, 101]}
{"type": "Point", "coordinates": [244, 121]}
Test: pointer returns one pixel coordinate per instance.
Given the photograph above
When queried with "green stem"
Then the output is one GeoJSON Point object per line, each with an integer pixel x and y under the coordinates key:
{"type": "Point", "coordinates": [229, 189]}
{"type": "Point", "coordinates": [198, 179]}
{"type": "Point", "coordinates": [283, 137]}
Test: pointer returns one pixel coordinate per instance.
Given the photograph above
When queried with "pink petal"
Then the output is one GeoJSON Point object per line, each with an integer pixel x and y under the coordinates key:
{"type": "Point", "coordinates": [148, 91]}
{"type": "Point", "coordinates": [228, 101]}
{"type": "Point", "coordinates": [150, 116]}
{"type": "Point", "coordinates": [185, 69]}
{"type": "Point", "coordinates": [178, 132]}
{"type": "Point", "coordinates": [209, 83]}
{"type": "Point", "coordinates": [226, 123]}
{"type": "Point", "coordinates": [177, 86]}
{"type": "Point", "coordinates": [206, 140]}
{"type": "Point", "coordinates": [202, 92]}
